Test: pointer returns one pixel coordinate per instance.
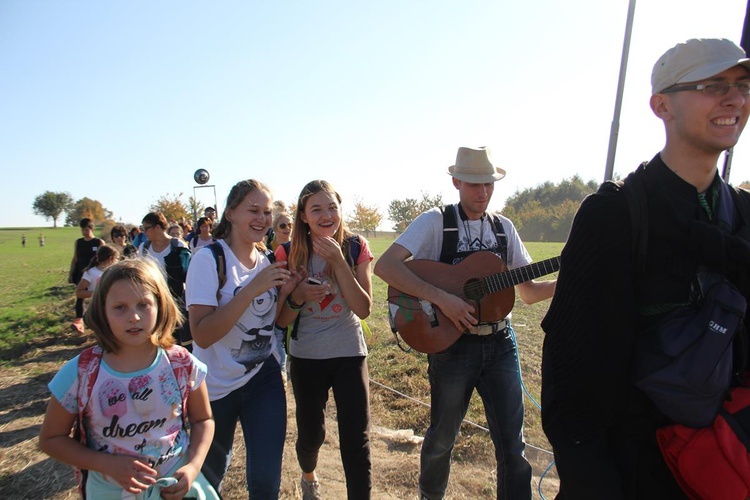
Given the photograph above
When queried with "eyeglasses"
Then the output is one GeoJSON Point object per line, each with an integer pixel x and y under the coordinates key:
{"type": "Point", "coordinates": [284, 225]}
{"type": "Point", "coordinates": [118, 236]}
{"type": "Point", "coordinates": [146, 228]}
{"type": "Point", "coordinates": [712, 89]}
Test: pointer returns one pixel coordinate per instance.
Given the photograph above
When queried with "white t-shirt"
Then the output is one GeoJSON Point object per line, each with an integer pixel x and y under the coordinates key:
{"type": "Point", "coordinates": [92, 275]}
{"type": "Point", "coordinates": [197, 243]}
{"type": "Point", "coordinates": [158, 257]}
{"type": "Point", "coordinates": [424, 237]}
{"type": "Point", "coordinates": [240, 354]}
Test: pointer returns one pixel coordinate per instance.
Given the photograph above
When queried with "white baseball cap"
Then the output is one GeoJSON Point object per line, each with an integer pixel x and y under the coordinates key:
{"type": "Point", "coordinates": [696, 59]}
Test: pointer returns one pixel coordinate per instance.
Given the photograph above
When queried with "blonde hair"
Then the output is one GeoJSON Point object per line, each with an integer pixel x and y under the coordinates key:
{"type": "Point", "coordinates": [145, 273]}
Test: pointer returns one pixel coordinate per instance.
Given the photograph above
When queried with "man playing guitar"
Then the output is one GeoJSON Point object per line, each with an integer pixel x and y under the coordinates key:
{"type": "Point", "coordinates": [484, 357]}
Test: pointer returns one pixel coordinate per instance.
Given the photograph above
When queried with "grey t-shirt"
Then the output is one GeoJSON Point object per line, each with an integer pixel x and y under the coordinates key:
{"type": "Point", "coordinates": [329, 329]}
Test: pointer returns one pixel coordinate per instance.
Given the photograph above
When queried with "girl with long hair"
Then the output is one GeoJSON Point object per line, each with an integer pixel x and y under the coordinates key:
{"type": "Point", "coordinates": [327, 347]}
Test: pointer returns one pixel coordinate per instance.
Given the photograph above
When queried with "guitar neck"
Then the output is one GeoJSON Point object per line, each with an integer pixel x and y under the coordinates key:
{"type": "Point", "coordinates": [507, 279]}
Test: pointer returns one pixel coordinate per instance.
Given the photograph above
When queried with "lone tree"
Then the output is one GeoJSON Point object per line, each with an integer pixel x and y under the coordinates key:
{"type": "Point", "coordinates": [86, 207]}
{"type": "Point", "coordinates": [172, 207]}
{"type": "Point", "coordinates": [403, 212]}
{"type": "Point", "coordinates": [50, 205]}
{"type": "Point", "coordinates": [365, 218]}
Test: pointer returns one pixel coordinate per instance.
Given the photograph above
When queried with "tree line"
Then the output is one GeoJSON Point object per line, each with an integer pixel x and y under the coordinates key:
{"type": "Point", "coordinates": [51, 206]}
{"type": "Point", "coordinates": [541, 213]}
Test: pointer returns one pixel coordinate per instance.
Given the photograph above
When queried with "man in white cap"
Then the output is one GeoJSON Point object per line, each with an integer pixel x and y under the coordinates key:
{"type": "Point", "coordinates": [484, 357]}
{"type": "Point", "coordinates": [601, 427]}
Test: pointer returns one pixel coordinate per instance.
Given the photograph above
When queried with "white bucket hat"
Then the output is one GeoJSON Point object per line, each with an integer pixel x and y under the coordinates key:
{"type": "Point", "coordinates": [474, 165]}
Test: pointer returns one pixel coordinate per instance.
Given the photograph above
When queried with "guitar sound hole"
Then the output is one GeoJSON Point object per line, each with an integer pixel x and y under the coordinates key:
{"type": "Point", "coordinates": [473, 290]}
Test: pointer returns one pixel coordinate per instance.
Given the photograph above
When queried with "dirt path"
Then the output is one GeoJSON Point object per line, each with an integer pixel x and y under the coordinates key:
{"type": "Point", "coordinates": [26, 473]}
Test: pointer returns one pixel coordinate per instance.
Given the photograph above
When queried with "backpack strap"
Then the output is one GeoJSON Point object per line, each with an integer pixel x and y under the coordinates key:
{"type": "Point", "coordinates": [221, 265]}
{"type": "Point", "coordinates": [89, 362]}
{"type": "Point", "coordinates": [182, 367]}
{"type": "Point", "coordinates": [146, 246]}
{"type": "Point", "coordinates": [500, 236]}
{"type": "Point", "coordinates": [352, 249]}
{"type": "Point", "coordinates": [634, 190]}
{"type": "Point", "coordinates": [450, 234]}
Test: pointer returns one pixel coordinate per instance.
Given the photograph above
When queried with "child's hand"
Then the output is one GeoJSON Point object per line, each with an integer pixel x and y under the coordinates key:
{"type": "Point", "coordinates": [130, 473]}
{"type": "Point", "coordinates": [329, 249]}
{"type": "Point", "coordinates": [185, 476]}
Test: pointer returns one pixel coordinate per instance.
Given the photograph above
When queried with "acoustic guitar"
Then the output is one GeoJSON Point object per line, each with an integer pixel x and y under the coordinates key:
{"type": "Point", "coordinates": [481, 279]}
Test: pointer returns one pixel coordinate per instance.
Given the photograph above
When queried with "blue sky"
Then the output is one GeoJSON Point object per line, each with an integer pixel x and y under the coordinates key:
{"type": "Point", "coordinates": [123, 101]}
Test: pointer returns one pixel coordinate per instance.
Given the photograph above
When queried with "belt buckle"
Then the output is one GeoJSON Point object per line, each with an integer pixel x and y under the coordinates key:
{"type": "Point", "coordinates": [491, 328]}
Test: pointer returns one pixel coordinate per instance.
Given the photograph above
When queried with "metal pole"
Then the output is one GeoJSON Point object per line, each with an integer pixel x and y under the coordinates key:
{"type": "Point", "coordinates": [727, 164]}
{"type": "Point", "coordinates": [615, 130]}
{"type": "Point", "coordinates": [745, 44]}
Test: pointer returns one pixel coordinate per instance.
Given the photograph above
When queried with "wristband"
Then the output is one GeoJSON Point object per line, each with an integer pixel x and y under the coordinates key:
{"type": "Point", "coordinates": [293, 305]}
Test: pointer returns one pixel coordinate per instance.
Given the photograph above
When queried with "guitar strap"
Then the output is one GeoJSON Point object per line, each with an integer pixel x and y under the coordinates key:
{"type": "Point", "coordinates": [449, 249]}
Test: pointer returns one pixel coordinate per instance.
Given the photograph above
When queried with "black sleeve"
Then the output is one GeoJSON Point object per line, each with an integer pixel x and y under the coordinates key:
{"type": "Point", "coordinates": [591, 324]}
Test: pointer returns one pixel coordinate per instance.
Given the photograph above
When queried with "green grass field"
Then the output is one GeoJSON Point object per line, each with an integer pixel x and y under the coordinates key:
{"type": "Point", "coordinates": [33, 285]}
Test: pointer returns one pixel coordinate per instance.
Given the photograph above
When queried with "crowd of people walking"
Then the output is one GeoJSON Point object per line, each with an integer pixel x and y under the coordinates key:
{"type": "Point", "coordinates": [195, 326]}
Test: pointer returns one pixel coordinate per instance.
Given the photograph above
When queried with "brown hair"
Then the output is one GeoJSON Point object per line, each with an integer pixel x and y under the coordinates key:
{"type": "Point", "coordinates": [103, 254]}
{"type": "Point", "coordinates": [301, 247]}
{"type": "Point", "coordinates": [155, 219]}
{"type": "Point", "coordinates": [141, 272]}
{"type": "Point", "coordinates": [223, 229]}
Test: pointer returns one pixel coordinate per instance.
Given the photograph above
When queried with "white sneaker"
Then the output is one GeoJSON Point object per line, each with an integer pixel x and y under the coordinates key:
{"type": "Point", "coordinates": [310, 490]}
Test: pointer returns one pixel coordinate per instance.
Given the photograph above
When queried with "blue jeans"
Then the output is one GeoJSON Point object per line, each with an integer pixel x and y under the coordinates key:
{"type": "Point", "coordinates": [260, 406]}
{"type": "Point", "coordinates": [489, 364]}
{"type": "Point", "coordinates": [280, 339]}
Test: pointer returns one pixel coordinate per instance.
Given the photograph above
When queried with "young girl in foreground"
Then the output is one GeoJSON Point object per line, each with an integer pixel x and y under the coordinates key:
{"type": "Point", "coordinates": [134, 423]}
{"type": "Point", "coordinates": [329, 350]}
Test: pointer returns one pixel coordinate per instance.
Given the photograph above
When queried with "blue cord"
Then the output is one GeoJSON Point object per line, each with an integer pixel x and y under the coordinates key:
{"type": "Point", "coordinates": [531, 398]}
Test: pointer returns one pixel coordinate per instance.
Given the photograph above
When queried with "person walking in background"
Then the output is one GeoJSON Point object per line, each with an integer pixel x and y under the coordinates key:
{"type": "Point", "coordinates": [133, 394]}
{"type": "Point", "coordinates": [119, 237]}
{"type": "Point", "coordinates": [106, 256]}
{"type": "Point", "coordinates": [173, 256]}
{"type": "Point", "coordinates": [203, 235]}
{"type": "Point", "coordinates": [282, 230]}
{"type": "Point", "coordinates": [175, 231]}
{"type": "Point", "coordinates": [484, 357]}
{"type": "Point", "coordinates": [41, 239]}
{"type": "Point", "coordinates": [140, 236]}
{"type": "Point", "coordinates": [601, 426]}
{"type": "Point", "coordinates": [232, 318]}
{"type": "Point", "coordinates": [327, 346]}
{"type": "Point", "coordinates": [83, 251]}
{"type": "Point", "coordinates": [23, 241]}
{"type": "Point", "coordinates": [210, 212]}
